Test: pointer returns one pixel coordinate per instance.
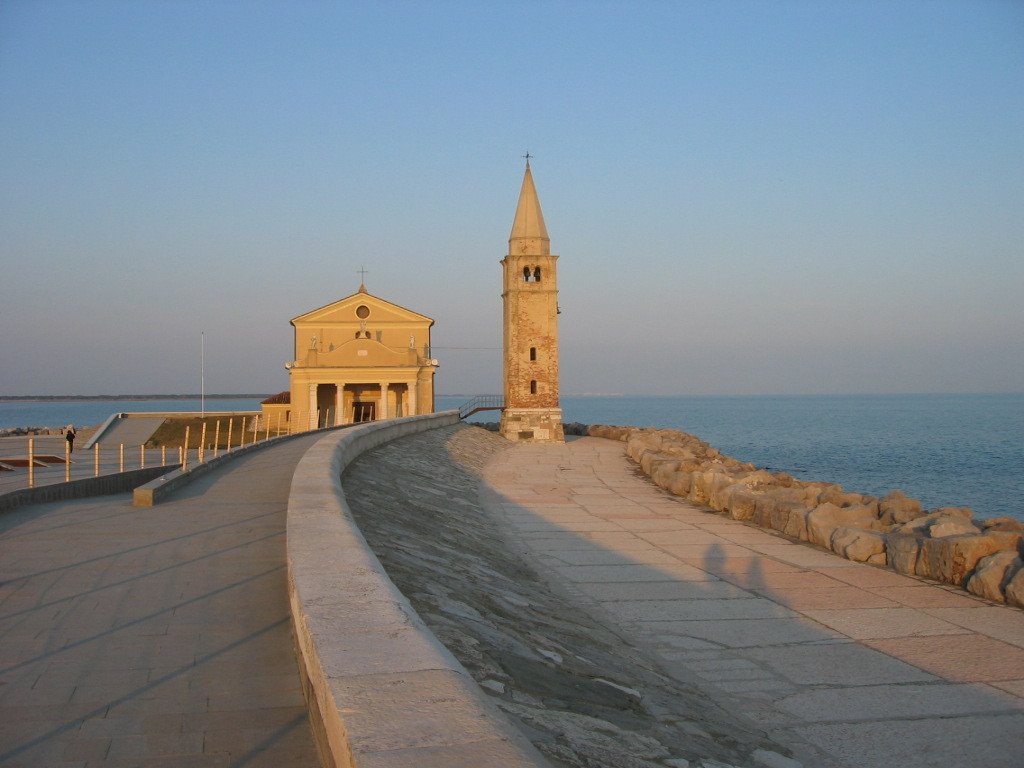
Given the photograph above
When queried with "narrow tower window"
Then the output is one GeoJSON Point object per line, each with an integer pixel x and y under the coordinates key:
{"type": "Point", "coordinates": [536, 274]}
{"type": "Point", "coordinates": [533, 354]}
{"type": "Point", "coordinates": [533, 387]}
{"type": "Point", "coordinates": [526, 274]}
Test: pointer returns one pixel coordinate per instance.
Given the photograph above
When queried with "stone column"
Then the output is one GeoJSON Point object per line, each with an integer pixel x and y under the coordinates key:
{"type": "Point", "coordinates": [412, 398]}
{"type": "Point", "coordinates": [312, 406]}
{"type": "Point", "coordinates": [339, 404]}
{"type": "Point", "coordinates": [384, 386]}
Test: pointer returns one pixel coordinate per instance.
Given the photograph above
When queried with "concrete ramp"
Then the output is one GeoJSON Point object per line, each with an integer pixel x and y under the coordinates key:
{"type": "Point", "coordinates": [130, 430]}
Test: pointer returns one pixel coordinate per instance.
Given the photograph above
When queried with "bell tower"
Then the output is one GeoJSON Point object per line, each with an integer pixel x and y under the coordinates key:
{"type": "Point", "coordinates": [530, 321]}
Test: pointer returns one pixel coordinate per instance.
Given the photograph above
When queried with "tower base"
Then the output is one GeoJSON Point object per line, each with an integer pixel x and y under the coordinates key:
{"type": "Point", "coordinates": [532, 425]}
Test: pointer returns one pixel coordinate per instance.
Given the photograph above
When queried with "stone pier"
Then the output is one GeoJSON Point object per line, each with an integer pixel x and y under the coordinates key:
{"type": "Point", "coordinates": [588, 618]}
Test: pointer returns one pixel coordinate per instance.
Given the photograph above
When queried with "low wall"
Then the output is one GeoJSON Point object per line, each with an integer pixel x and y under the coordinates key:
{"type": "Point", "coordinates": [161, 488]}
{"type": "Point", "coordinates": [382, 691]}
{"type": "Point", "coordinates": [946, 544]}
{"type": "Point", "coordinates": [119, 482]}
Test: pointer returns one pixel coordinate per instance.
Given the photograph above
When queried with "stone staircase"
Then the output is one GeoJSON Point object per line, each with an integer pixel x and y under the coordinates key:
{"type": "Point", "coordinates": [130, 431]}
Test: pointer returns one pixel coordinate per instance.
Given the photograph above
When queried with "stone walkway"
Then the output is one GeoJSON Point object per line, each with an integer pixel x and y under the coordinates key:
{"type": "Point", "coordinates": [154, 637]}
{"type": "Point", "coordinates": [872, 668]}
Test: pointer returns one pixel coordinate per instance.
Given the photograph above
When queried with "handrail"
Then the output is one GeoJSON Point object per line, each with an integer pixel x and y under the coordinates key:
{"type": "Point", "coordinates": [482, 403]}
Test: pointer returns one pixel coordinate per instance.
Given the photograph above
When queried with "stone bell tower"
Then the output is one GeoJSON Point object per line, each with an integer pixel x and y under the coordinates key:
{"type": "Point", "coordinates": [530, 297]}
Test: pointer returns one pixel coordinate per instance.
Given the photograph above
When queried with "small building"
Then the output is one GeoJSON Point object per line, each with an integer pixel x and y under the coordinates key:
{"type": "Point", "coordinates": [276, 411]}
{"type": "Point", "coordinates": [358, 359]}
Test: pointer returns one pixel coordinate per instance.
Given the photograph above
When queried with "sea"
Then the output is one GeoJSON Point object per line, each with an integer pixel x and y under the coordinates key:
{"type": "Point", "coordinates": [946, 450]}
{"type": "Point", "coordinates": [87, 413]}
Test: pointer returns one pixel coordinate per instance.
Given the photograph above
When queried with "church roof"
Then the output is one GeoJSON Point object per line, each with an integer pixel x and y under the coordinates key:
{"type": "Point", "coordinates": [334, 310]}
{"type": "Point", "coordinates": [529, 221]}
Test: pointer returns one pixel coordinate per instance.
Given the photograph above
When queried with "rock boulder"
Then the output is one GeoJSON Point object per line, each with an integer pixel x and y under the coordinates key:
{"type": "Point", "coordinates": [825, 518]}
{"type": "Point", "coordinates": [896, 508]}
{"type": "Point", "coordinates": [993, 571]}
{"type": "Point", "coordinates": [1015, 589]}
{"type": "Point", "coordinates": [858, 544]}
{"type": "Point", "coordinates": [902, 551]}
{"type": "Point", "coordinates": [952, 559]}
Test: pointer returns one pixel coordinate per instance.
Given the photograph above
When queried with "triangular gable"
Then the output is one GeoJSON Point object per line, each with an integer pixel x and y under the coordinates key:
{"type": "Point", "coordinates": [344, 311]}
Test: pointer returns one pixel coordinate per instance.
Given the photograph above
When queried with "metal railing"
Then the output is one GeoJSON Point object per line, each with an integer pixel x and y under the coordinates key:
{"type": "Point", "coordinates": [482, 403]}
{"type": "Point", "coordinates": [111, 458]}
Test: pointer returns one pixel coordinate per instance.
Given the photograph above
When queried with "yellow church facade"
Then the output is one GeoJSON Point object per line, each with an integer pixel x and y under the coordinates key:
{"type": "Point", "coordinates": [359, 359]}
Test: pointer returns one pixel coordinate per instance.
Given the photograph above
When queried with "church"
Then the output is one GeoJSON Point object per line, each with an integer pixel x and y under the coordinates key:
{"type": "Point", "coordinates": [363, 358]}
{"type": "Point", "coordinates": [360, 358]}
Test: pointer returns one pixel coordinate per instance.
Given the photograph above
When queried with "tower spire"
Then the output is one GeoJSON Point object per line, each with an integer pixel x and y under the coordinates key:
{"type": "Point", "coordinates": [529, 234]}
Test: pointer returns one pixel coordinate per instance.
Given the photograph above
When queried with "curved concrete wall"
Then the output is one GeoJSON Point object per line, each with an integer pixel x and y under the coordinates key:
{"type": "Point", "coordinates": [102, 485]}
{"type": "Point", "coordinates": [382, 690]}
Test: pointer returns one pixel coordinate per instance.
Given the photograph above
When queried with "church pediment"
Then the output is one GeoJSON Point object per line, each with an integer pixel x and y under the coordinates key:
{"type": "Point", "coordinates": [361, 353]}
{"type": "Point", "coordinates": [361, 308]}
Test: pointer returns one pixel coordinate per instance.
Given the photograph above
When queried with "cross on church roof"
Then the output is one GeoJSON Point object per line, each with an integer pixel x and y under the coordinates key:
{"type": "Point", "coordinates": [362, 274]}
{"type": "Point", "coordinates": [527, 156]}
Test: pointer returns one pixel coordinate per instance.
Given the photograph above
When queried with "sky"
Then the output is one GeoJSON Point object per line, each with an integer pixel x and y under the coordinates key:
{"type": "Point", "coordinates": [747, 197]}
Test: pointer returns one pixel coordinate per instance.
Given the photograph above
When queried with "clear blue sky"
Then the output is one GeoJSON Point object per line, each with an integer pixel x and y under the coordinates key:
{"type": "Point", "coordinates": [783, 197]}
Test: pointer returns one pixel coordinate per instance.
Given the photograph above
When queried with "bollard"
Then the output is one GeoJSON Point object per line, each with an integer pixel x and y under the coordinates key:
{"type": "Point", "coordinates": [120, 458]}
{"type": "Point", "coordinates": [181, 454]}
{"type": "Point", "coordinates": [216, 439]}
{"type": "Point", "coordinates": [67, 461]}
{"type": "Point", "coordinates": [31, 463]}
{"type": "Point", "coordinates": [202, 444]}
{"type": "Point", "coordinates": [96, 459]}
{"type": "Point", "coordinates": [163, 455]}
{"type": "Point", "coordinates": [184, 462]}
{"type": "Point", "coordinates": [142, 456]}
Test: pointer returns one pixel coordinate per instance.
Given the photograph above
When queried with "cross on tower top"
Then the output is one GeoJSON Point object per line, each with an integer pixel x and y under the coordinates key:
{"type": "Point", "coordinates": [527, 156]}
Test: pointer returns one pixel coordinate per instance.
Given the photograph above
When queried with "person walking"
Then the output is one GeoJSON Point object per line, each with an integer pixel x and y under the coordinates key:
{"type": "Point", "coordinates": [69, 435]}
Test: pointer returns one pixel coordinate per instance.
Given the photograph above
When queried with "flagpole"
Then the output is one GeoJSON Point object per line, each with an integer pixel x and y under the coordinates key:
{"type": "Point", "coordinates": [202, 373]}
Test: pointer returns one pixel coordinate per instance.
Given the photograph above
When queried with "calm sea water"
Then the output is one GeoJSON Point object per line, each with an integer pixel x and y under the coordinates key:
{"type": "Point", "coordinates": [57, 413]}
{"type": "Point", "coordinates": [946, 450]}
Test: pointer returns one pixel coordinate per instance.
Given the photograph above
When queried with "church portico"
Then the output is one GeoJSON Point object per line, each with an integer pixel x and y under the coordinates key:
{"type": "Point", "coordinates": [338, 403]}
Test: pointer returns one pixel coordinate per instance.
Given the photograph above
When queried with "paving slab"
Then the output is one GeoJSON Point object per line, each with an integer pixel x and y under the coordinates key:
{"type": "Point", "coordinates": [993, 741]}
{"type": "Point", "coordinates": [894, 701]}
{"type": "Point", "coordinates": [709, 609]}
{"type": "Point", "coordinates": [156, 636]}
{"type": "Point", "coordinates": [867, 623]}
{"type": "Point", "coordinates": [836, 664]}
